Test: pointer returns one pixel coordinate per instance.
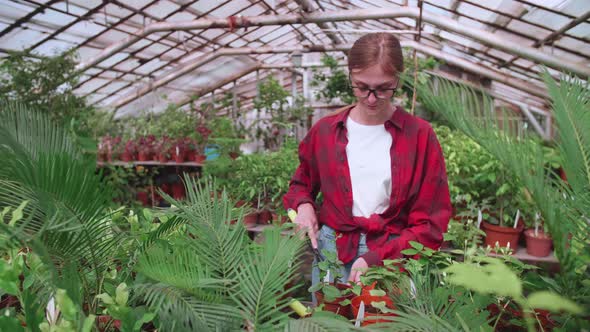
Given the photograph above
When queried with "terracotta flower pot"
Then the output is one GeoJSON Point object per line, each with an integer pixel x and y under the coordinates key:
{"type": "Point", "coordinates": [372, 315]}
{"type": "Point", "coordinates": [265, 217]}
{"type": "Point", "coordinates": [538, 246]}
{"type": "Point", "coordinates": [178, 191]}
{"type": "Point", "coordinates": [127, 156]}
{"type": "Point", "coordinates": [335, 306]}
{"type": "Point", "coordinates": [251, 219]}
{"type": "Point", "coordinates": [502, 235]}
{"type": "Point", "coordinates": [200, 158]}
{"type": "Point", "coordinates": [163, 157]}
{"type": "Point", "coordinates": [143, 197]}
{"type": "Point", "coordinates": [144, 155]}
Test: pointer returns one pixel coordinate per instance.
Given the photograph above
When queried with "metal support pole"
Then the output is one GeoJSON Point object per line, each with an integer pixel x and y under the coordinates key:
{"type": "Point", "coordinates": [293, 85]}
{"type": "Point", "coordinates": [234, 101]}
{"type": "Point", "coordinates": [533, 121]}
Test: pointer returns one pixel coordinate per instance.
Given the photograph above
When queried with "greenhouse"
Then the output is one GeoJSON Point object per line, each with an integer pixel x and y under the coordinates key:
{"type": "Point", "coordinates": [307, 165]}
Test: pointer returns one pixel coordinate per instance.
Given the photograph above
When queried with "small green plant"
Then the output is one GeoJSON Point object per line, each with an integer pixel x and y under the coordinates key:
{"type": "Point", "coordinates": [333, 85]}
{"type": "Point", "coordinates": [464, 234]}
{"type": "Point", "coordinates": [131, 318]}
{"type": "Point", "coordinates": [331, 266]}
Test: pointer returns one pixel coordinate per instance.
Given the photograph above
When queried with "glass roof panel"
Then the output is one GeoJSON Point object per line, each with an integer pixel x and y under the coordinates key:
{"type": "Point", "coordinates": [149, 66]}
{"type": "Point", "coordinates": [19, 39]}
{"type": "Point", "coordinates": [230, 8]}
{"type": "Point", "coordinates": [180, 17]}
{"type": "Point", "coordinates": [205, 5]}
{"type": "Point", "coordinates": [161, 9]}
{"type": "Point", "coordinates": [582, 30]}
{"type": "Point", "coordinates": [546, 19]}
{"type": "Point", "coordinates": [53, 47]}
{"type": "Point", "coordinates": [114, 59]}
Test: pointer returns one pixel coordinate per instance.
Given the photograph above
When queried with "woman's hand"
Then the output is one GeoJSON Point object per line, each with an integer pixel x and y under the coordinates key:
{"type": "Point", "coordinates": [306, 220]}
{"type": "Point", "coordinates": [358, 268]}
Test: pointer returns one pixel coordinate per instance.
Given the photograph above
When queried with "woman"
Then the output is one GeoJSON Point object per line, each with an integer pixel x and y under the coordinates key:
{"type": "Point", "coordinates": [381, 170]}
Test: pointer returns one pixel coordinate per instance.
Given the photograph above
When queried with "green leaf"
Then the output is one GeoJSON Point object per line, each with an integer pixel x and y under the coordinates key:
{"type": "Point", "coordinates": [417, 245]}
{"type": "Point", "coordinates": [121, 294]}
{"type": "Point", "coordinates": [316, 287]}
{"type": "Point", "coordinates": [552, 302]}
{"type": "Point", "coordinates": [377, 292]}
{"type": "Point", "coordinates": [67, 307]}
{"type": "Point", "coordinates": [409, 252]}
{"type": "Point", "coordinates": [88, 323]}
{"type": "Point", "coordinates": [28, 281]}
{"type": "Point", "coordinates": [492, 278]}
{"type": "Point", "coordinates": [382, 306]}
{"type": "Point", "coordinates": [357, 289]}
{"type": "Point", "coordinates": [17, 214]}
{"type": "Point", "coordinates": [330, 292]}
{"type": "Point", "coordinates": [345, 302]}
{"type": "Point", "coordinates": [105, 298]}
{"type": "Point", "coordinates": [8, 323]}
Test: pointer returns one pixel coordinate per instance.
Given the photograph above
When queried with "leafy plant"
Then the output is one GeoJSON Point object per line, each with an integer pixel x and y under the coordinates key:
{"type": "Point", "coordinates": [489, 275]}
{"type": "Point", "coordinates": [45, 84]}
{"type": "Point", "coordinates": [464, 234]}
{"type": "Point", "coordinates": [335, 84]}
{"type": "Point", "coordinates": [564, 206]}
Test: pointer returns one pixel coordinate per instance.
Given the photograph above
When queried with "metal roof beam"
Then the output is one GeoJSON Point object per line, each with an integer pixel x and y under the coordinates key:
{"type": "Point", "coordinates": [449, 58]}
{"type": "Point", "coordinates": [438, 20]}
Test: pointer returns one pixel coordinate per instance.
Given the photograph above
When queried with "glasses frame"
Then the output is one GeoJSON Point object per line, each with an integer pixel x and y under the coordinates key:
{"type": "Point", "coordinates": [372, 91]}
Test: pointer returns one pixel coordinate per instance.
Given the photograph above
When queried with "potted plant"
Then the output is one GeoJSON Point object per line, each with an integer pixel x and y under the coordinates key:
{"type": "Point", "coordinates": [334, 296]}
{"type": "Point", "coordinates": [103, 147]}
{"type": "Point", "coordinates": [179, 151]}
{"type": "Point", "coordinates": [162, 149]}
{"type": "Point", "coordinates": [538, 241]}
{"type": "Point", "coordinates": [504, 228]}
{"type": "Point", "coordinates": [130, 151]}
{"type": "Point", "coordinates": [379, 285]}
{"type": "Point", "coordinates": [464, 228]}
{"type": "Point", "coordinates": [144, 149]}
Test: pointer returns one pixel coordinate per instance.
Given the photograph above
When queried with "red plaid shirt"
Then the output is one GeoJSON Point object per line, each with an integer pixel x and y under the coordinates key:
{"type": "Point", "coordinates": [419, 206]}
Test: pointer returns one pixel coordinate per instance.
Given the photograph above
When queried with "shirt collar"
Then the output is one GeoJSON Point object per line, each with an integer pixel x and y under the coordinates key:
{"type": "Point", "coordinates": [397, 119]}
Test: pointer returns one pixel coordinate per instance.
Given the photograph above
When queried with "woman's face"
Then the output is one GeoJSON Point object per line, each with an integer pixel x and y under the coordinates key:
{"type": "Point", "coordinates": [374, 90]}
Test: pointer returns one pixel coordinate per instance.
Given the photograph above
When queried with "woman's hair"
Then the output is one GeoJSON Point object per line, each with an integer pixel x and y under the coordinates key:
{"type": "Point", "coordinates": [376, 48]}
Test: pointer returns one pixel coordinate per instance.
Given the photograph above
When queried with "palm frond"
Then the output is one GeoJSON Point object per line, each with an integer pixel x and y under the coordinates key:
{"type": "Point", "coordinates": [179, 311]}
{"type": "Point", "coordinates": [323, 321]}
{"type": "Point", "coordinates": [570, 100]}
{"type": "Point", "coordinates": [474, 114]}
{"type": "Point", "coordinates": [416, 321]}
{"type": "Point", "coordinates": [220, 244]}
{"type": "Point", "coordinates": [28, 133]}
{"type": "Point", "coordinates": [66, 199]}
{"type": "Point", "coordinates": [261, 293]}
{"type": "Point", "coordinates": [181, 268]}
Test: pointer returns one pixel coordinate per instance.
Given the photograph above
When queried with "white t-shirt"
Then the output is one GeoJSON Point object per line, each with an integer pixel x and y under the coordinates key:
{"type": "Point", "coordinates": [370, 167]}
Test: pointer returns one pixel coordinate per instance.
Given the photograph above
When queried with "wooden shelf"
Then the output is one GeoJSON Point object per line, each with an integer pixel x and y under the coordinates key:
{"type": "Point", "coordinates": [147, 163]}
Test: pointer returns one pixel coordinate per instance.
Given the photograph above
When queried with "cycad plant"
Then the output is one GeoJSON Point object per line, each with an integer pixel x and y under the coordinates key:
{"type": "Point", "coordinates": [565, 207]}
{"type": "Point", "coordinates": [64, 221]}
{"type": "Point", "coordinates": [212, 276]}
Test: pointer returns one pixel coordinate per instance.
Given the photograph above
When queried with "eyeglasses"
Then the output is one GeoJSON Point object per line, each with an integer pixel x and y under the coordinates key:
{"type": "Point", "coordinates": [380, 93]}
